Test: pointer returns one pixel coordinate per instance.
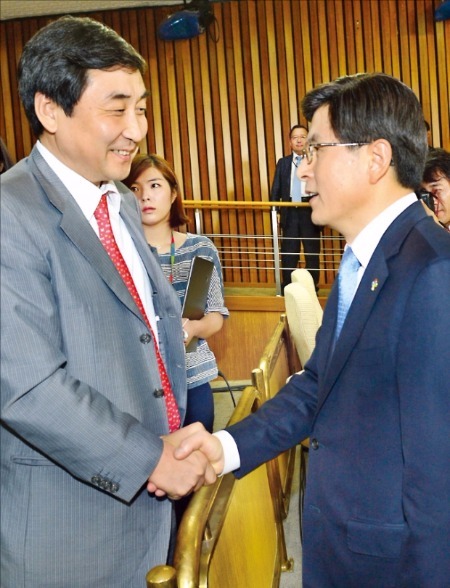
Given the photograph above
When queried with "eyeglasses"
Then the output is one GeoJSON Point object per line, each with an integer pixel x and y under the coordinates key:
{"type": "Point", "coordinates": [310, 148]}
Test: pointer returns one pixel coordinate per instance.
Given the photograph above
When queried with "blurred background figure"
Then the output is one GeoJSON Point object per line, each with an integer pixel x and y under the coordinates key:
{"type": "Point", "coordinates": [156, 187]}
{"type": "Point", "coordinates": [6, 161]}
{"type": "Point", "coordinates": [436, 181]}
{"type": "Point", "coordinates": [295, 223]}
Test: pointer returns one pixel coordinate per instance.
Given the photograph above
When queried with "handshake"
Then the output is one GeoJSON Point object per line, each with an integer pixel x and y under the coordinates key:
{"type": "Point", "coordinates": [191, 458]}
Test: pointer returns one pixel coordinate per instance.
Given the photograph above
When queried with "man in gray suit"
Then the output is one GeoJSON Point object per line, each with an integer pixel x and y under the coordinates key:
{"type": "Point", "coordinates": [83, 395]}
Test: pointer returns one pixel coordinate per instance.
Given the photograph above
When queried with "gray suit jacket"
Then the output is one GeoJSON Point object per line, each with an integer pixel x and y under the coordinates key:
{"type": "Point", "coordinates": [80, 423]}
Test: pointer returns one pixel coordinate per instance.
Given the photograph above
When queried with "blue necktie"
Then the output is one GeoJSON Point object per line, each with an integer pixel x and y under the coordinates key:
{"type": "Point", "coordinates": [347, 280]}
{"type": "Point", "coordinates": [296, 188]}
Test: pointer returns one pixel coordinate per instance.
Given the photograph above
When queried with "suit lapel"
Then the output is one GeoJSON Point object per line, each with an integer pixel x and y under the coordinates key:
{"type": "Point", "coordinates": [77, 229]}
{"type": "Point", "coordinates": [369, 290]}
{"type": "Point", "coordinates": [360, 310]}
{"type": "Point", "coordinates": [287, 162]}
{"type": "Point", "coordinates": [131, 218]}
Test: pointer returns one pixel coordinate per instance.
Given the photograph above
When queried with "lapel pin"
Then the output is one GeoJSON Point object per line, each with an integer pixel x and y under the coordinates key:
{"type": "Point", "coordinates": [374, 284]}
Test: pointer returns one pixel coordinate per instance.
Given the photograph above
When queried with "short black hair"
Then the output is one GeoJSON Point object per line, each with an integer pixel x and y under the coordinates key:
{"type": "Point", "coordinates": [437, 165]}
{"type": "Point", "coordinates": [369, 106]}
{"type": "Point", "coordinates": [297, 126]}
{"type": "Point", "coordinates": [56, 60]}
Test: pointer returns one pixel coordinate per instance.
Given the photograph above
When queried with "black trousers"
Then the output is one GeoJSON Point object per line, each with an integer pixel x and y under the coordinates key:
{"type": "Point", "coordinates": [298, 229]}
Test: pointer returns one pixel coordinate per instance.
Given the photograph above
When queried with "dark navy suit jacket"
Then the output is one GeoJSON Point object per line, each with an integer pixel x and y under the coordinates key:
{"type": "Point", "coordinates": [377, 411]}
{"type": "Point", "coordinates": [281, 187]}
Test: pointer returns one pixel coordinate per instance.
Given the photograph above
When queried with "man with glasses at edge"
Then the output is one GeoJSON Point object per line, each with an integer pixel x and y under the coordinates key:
{"type": "Point", "coordinates": [436, 180]}
{"type": "Point", "coordinates": [374, 398]}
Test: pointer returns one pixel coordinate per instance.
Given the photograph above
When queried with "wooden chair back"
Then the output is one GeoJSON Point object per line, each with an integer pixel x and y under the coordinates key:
{"type": "Point", "coordinates": [278, 362]}
{"type": "Point", "coordinates": [231, 533]}
{"type": "Point", "coordinates": [304, 316]}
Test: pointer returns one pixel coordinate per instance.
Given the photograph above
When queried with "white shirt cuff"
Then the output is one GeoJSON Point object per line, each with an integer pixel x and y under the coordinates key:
{"type": "Point", "coordinates": [232, 460]}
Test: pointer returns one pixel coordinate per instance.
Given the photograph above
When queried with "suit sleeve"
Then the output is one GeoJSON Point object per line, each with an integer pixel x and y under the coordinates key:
{"type": "Point", "coordinates": [61, 417]}
{"type": "Point", "coordinates": [279, 424]}
{"type": "Point", "coordinates": [424, 389]}
{"type": "Point", "coordinates": [276, 192]}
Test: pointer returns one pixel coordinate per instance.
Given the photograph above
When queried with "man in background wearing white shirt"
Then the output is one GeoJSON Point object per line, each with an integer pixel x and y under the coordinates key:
{"type": "Point", "coordinates": [295, 222]}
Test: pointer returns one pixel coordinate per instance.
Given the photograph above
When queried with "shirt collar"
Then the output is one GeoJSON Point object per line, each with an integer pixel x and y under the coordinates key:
{"type": "Point", "coordinates": [367, 240]}
{"type": "Point", "coordinates": [86, 194]}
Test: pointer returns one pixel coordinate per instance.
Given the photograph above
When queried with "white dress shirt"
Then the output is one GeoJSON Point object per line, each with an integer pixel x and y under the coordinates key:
{"type": "Point", "coordinates": [367, 240]}
{"type": "Point", "coordinates": [293, 176]}
{"type": "Point", "coordinates": [87, 195]}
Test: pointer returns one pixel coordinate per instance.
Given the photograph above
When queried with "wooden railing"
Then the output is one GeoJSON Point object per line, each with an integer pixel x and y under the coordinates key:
{"type": "Point", "coordinates": [232, 534]}
{"type": "Point", "coordinates": [250, 259]}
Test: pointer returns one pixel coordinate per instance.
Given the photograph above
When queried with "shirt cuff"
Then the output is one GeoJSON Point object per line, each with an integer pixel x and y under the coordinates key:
{"type": "Point", "coordinates": [232, 460]}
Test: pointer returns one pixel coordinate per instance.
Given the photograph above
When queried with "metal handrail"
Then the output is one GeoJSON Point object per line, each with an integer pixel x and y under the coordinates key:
{"type": "Point", "coordinates": [270, 251]}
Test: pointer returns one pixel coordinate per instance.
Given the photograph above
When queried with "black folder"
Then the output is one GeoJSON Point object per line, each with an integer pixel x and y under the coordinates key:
{"type": "Point", "coordinates": [197, 293]}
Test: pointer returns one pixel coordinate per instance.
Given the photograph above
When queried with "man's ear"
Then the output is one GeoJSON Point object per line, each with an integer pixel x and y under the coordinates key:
{"type": "Point", "coordinates": [46, 111]}
{"type": "Point", "coordinates": [380, 159]}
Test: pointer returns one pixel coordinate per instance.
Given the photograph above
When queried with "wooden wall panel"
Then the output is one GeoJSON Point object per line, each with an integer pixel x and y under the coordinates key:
{"type": "Point", "coordinates": [220, 110]}
{"type": "Point", "coordinates": [251, 323]}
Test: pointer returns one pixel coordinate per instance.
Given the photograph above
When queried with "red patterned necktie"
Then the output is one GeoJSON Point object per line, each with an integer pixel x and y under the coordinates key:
{"type": "Point", "coordinates": [109, 243]}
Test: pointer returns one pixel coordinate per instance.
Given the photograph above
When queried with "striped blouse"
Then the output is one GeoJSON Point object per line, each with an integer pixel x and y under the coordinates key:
{"type": "Point", "coordinates": [201, 364]}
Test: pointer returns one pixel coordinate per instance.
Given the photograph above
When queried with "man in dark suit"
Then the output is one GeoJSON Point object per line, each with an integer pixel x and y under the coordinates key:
{"type": "Point", "coordinates": [295, 223]}
{"type": "Point", "coordinates": [83, 387]}
{"type": "Point", "coordinates": [374, 398]}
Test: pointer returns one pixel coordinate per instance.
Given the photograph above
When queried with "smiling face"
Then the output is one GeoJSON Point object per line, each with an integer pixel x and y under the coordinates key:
{"type": "Point", "coordinates": [155, 197]}
{"type": "Point", "coordinates": [440, 190]}
{"type": "Point", "coordinates": [337, 179]}
{"type": "Point", "coordinates": [101, 137]}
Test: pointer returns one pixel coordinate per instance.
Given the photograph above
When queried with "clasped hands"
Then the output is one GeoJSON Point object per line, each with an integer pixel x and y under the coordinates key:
{"type": "Point", "coordinates": [191, 458]}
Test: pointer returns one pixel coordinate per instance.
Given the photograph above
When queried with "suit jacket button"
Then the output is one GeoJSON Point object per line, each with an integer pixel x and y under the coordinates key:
{"type": "Point", "coordinates": [314, 443]}
{"type": "Point", "coordinates": [114, 487]}
{"type": "Point", "coordinates": [145, 338]}
{"type": "Point", "coordinates": [95, 480]}
{"type": "Point", "coordinates": [158, 393]}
